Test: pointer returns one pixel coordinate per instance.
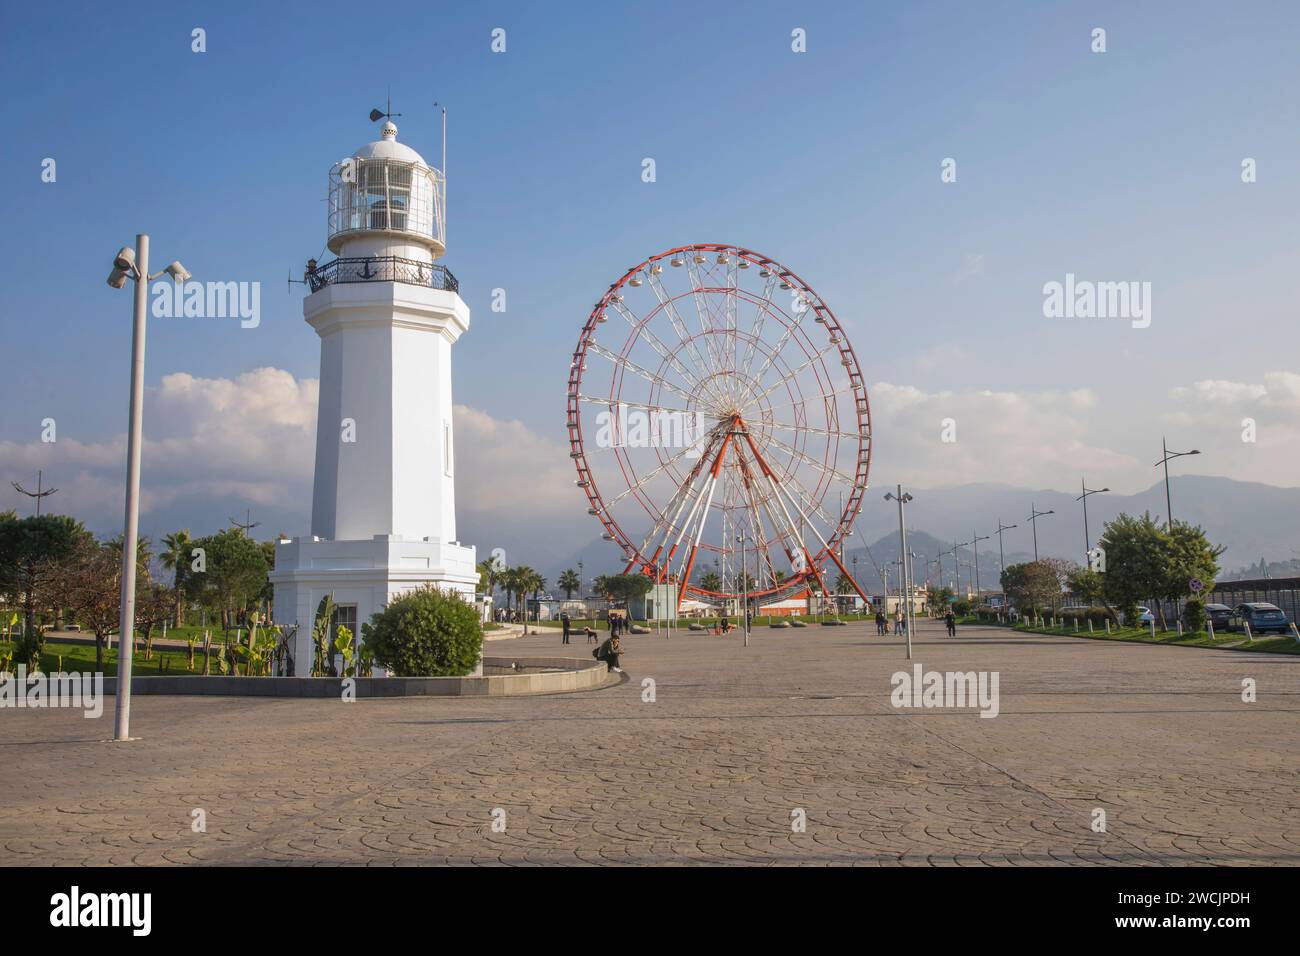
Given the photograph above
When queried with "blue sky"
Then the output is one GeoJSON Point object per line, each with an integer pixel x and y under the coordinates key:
{"type": "Point", "coordinates": [1115, 166]}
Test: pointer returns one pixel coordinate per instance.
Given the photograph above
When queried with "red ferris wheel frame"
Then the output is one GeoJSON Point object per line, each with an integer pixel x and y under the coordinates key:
{"type": "Point", "coordinates": [737, 434]}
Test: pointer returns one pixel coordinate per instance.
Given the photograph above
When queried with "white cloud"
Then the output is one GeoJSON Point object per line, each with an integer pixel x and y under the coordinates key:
{"type": "Point", "coordinates": [252, 439]}
{"type": "Point", "coordinates": [1026, 438]}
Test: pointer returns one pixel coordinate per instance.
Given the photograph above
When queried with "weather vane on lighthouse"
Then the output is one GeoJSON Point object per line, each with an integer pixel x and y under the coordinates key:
{"type": "Point", "coordinates": [387, 314]}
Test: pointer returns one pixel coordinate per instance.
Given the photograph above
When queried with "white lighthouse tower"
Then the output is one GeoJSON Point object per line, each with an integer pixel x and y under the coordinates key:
{"type": "Point", "coordinates": [383, 517]}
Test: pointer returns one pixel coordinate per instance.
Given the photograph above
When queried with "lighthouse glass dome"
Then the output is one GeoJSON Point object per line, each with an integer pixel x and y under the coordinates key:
{"type": "Point", "coordinates": [387, 188]}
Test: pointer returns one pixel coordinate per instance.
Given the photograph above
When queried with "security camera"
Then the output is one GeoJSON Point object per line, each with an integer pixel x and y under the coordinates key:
{"type": "Point", "coordinates": [178, 272]}
{"type": "Point", "coordinates": [117, 278]}
{"type": "Point", "coordinates": [125, 259]}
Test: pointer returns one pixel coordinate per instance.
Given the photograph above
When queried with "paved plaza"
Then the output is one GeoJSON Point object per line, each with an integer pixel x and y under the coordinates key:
{"type": "Point", "coordinates": [737, 743]}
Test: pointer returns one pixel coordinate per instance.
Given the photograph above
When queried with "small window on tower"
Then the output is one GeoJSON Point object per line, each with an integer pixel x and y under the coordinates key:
{"type": "Point", "coordinates": [446, 448]}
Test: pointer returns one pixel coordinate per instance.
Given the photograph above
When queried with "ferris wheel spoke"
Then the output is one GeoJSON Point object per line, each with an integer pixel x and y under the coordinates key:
{"type": "Point", "coordinates": [786, 335]}
{"type": "Point", "coordinates": [706, 371]}
{"type": "Point", "coordinates": [793, 373]}
{"type": "Point", "coordinates": [826, 395]}
{"type": "Point", "coordinates": [704, 314]}
{"type": "Point", "coordinates": [812, 501]}
{"type": "Point", "coordinates": [761, 312]}
{"type": "Point", "coordinates": [809, 429]}
{"type": "Point", "coordinates": [642, 329]}
{"type": "Point", "coordinates": [637, 369]}
{"type": "Point", "coordinates": [651, 475]}
{"type": "Point", "coordinates": [811, 461]}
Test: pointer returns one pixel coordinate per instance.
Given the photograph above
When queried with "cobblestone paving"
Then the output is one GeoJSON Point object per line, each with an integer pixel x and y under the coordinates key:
{"type": "Point", "coordinates": [736, 740]}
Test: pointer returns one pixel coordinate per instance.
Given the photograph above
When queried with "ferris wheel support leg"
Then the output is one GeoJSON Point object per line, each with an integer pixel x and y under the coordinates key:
{"type": "Point", "coordinates": [712, 484]}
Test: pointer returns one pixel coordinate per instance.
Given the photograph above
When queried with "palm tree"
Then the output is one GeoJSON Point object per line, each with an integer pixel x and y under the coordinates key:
{"type": "Point", "coordinates": [711, 582]}
{"type": "Point", "coordinates": [489, 574]}
{"type": "Point", "coordinates": [569, 582]}
{"type": "Point", "coordinates": [508, 578]}
{"type": "Point", "coordinates": [176, 558]}
{"type": "Point", "coordinates": [523, 580]}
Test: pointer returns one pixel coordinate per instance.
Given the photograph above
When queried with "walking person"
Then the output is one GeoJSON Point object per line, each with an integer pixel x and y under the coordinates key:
{"type": "Point", "coordinates": [880, 623]}
{"type": "Point", "coordinates": [564, 620]}
{"type": "Point", "coordinates": [898, 620]}
{"type": "Point", "coordinates": [951, 621]}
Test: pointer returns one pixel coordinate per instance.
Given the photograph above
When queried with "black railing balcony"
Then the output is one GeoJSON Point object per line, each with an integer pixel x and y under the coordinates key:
{"type": "Point", "coordinates": [382, 269]}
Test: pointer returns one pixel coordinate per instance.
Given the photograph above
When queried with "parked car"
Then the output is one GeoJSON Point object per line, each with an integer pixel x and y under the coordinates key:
{"type": "Point", "coordinates": [1218, 614]}
{"type": "Point", "coordinates": [1144, 617]}
{"type": "Point", "coordinates": [1260, 616]}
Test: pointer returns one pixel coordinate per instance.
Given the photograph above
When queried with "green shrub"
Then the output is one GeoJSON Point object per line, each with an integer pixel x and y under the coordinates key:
{"type": "Point", "coordinates": [1194, 615]}
{"type": "Point", "coordinates": [426, 633]}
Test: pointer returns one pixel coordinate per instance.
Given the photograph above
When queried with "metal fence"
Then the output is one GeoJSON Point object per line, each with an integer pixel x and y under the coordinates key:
{"type": "Point", "coordinates": [382, 269]}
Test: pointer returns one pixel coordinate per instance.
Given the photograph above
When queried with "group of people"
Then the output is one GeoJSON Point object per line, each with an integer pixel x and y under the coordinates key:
{"type": "Point", "coordinates": [882, 622]}
{"type": "Point", "coordinates": [900, 623]}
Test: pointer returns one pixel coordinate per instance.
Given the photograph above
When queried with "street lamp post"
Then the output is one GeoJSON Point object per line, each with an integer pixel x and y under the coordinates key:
{"type": "Point", "coordinates": [744, 582]}
{"type": "Point", "coordinates": [133, 265]}
{"type": "Point", "coordinates": [1034, 515]}
{"type": "Point", "coordinates": [1087, 540]}
{"type": "Point", "coordinates": [1168, 457]}
{"type": "Point", "coordinates": [956, 562]}
{"type": "Point", "coordinates": [976, 539]}
{"type": "Point", "coordinates": [903, 498]}
{"type": "Point", "coordinates": [1002, 561]}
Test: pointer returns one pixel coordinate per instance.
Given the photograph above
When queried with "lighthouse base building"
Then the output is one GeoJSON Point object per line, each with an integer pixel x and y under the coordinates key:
{"type": "Point", "coordinates": [383, 501]}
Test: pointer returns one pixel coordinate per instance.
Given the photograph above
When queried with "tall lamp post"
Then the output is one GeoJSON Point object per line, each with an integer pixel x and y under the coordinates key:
{"type": "Point", "coordinates": [975, 540]}
{"type": "Point", "coordinates": [744, 581]}
{"type": "Point", "coordinates": [1168, 457]}
{"type": "Point", "coordinates": [1087, 540]}
{"type": "Point", "coordinates": [903, 498]}
{"type": "Point", "coordinates": [1002, 561]}
{"type": "Point", "coordinates": [133, 264]}
{"type": "Point", "coordinates": [1034, 515]}
{"type": "Point", "coordinates": [956, 561]}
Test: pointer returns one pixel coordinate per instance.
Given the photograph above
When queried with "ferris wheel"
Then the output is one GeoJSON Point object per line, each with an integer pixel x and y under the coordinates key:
{"type": "Point", "coordinates": [719, 423]}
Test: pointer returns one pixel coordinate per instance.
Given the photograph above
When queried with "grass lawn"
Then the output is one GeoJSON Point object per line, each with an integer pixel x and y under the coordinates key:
{"type": "Point", "coordinates": [1285, 644]}
{"type": "Point", "coordinates": [81, 658]}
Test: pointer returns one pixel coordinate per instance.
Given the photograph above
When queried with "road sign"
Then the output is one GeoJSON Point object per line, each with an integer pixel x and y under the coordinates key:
{"type": "Point", "coordinates": [1197, 585]}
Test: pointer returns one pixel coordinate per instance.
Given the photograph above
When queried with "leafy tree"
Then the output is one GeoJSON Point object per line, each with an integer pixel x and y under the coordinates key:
{"type": "Point", "coordinates": [234, 577]}
{"type": "Point", "coordinates": [154, 603]}
{"type": "Point", "coordinates": [426, 633]}
{"type": "Point", "coordinates": [939, 597]}
{"type": "Point", "coordinates": [1034, 585]}
{"type": "Point", "coordinates": [1087, 586]}
{"type": "Point", "coordinates": [30, 550]}
{"type": "Point", "coordinates": [629, 587]}
{"type": "Point", "coordinates": [89, 583]}
{"type": "Point", "coordinates": [1190, 556]}
{"type": "Point", "coordinates": [1137, 560]}
{"type": "Point", "coordinates": [569, 582]}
